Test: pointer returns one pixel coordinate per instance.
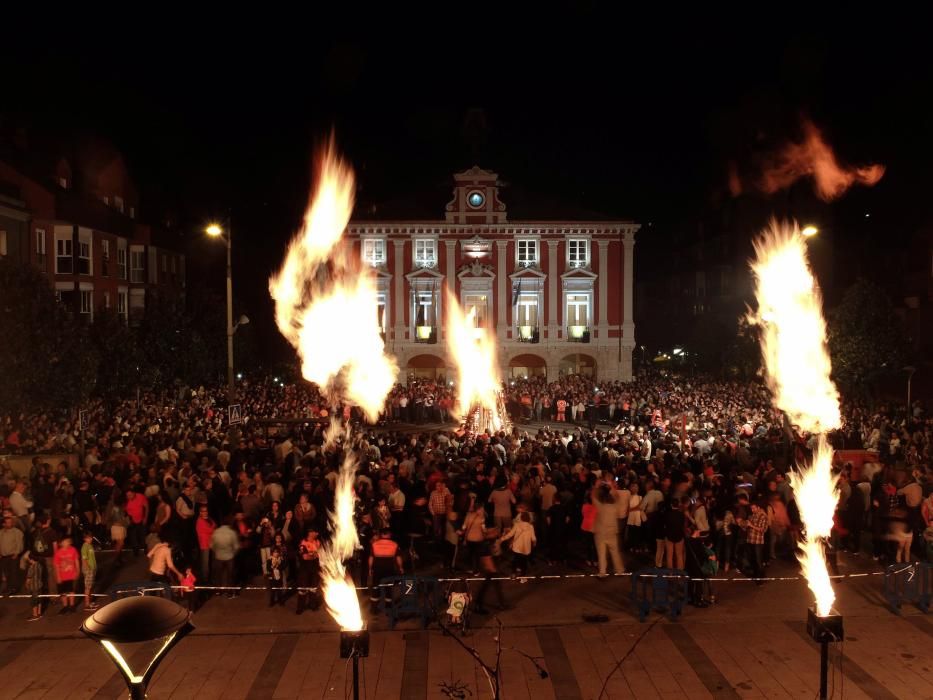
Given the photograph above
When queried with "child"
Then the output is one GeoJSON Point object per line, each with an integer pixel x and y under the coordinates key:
{"type": "Point", "coordinates": [65, 561]}
{"type": "Point", "coordinates": [275, 572]}
{"type": "Point", "coordinates": [89, 569]}
{"type": "Point", "coordinates": [187, 589]}
{"type": "Point", "coordinates": [34, 570]}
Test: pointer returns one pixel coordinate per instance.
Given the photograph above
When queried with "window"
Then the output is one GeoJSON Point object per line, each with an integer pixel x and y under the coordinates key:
{"type": "Point", "coordinates": [121, 262]}
{"type": "Point", "coordinates": [164, 264]}
{"type": "Point", "coordinates": [701, 284]}
{"type": "Point", "coordinates": [425, 313]}
{"type": "Point", "coordinates": [40, 248]}
{"type": "Point", "coordinates": [118, 204]}
{"type": "Point", "coordinates": [425, 252]}
{"type": "Point", "coordinates": [578, 252]}
{"type": "Point", "coordinates": [64, 262]}
{"type": "Point", "coordinates": [477, 305]}
{"type": "Point", "coordinates": [381, 306]}
{"type": "Point", "coordinates": [174, 265]}
{"type": "Point", "coordinates": [137, 266]}
{"type": "Point", "coordinates": [84, 257]}
{"type": "Point", "coordinates": [578, 315]}
{"type": "Point", "coordinates": [106, 300]}
{"type": "Point", "coordinates": [2, 243]}
{"type": "Point", "coordinates": [66, 297]}
{"type": "Point", "coordinates": [86, 301]}
{"type": "Point", "coordinates": [526, 315]}
{"type": "Point", "coordinates": [132, 212]}
{"type": "Point", "coordinates": [105, 258]}
{"type": "Point", "coordinates": [107, 200]}
{"type": "Point", "coordinates": [527, 251]}
{"type": "Point", "coordinates": [121, 304]}
{"type": "Point", "coordinates": [63, 182]}
{"type": "Point", "coordinates": [374, 251]}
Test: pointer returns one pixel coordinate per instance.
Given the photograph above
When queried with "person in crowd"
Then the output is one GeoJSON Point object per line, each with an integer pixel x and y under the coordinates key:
{"type": "Point", "coordinates": [606, 530]}
{"type": "Point", "coordinates": [89, 570]}
{"type": "Point", "coordinates": [522, 536]}
{"type": "Point", "coordinates": [12, 543]}
{"type": "Point", "coordinates": [67, 567]}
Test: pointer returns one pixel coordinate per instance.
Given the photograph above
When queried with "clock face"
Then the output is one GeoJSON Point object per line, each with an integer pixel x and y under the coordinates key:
{"type": "Point", "coordinates": [475, 199]}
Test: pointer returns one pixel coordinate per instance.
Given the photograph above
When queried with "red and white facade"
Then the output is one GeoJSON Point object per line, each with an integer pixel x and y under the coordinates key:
{"type": "Point", "coordinates": [556, 294]}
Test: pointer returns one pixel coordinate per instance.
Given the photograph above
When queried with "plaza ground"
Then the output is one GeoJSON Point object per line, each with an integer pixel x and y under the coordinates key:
{"type": "Point", "coordinates": [751, 644]}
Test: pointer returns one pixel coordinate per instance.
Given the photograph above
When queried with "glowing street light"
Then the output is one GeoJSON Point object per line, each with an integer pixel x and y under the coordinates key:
{"type": "Point", "coordinates": [216, 231]}
{"type": "Point", "coordinates": [134, 620]}
{"type": "Point", "coordinates": [809, 231]}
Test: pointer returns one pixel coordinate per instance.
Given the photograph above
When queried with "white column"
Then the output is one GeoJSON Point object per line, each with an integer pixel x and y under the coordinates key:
{"type": "Point", "coordinates": [552, 277]}
{"type": "Point", "coordinates": [628, 317]}
{"type": "Point", "coordinates": [451, 280]}
{"type": "Point", "coordinates": [398, 322]}
{"type": "Point", "coordinates": [502, 291]}
{"type": "Point", "coordinates": [603, 283]}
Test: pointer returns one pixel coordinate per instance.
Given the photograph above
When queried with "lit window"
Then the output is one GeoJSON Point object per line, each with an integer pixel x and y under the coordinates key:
{"type": "Point", "coordinates": [526, 314]}
{"type": "Point", "coordinates": [578, 252]}
{"type": "Point", "coordinates": [381, 312]}
{"type": "Point", "coordinates": [478, 305]}
{"type": "Point", "coordinates": [578, 314]}
{"type": "Point", "coordinates": [374, 251]}
{"type": "Point", "coordinates": [425, 252]}
{"type": "Point", "coordinates": [527, 252]}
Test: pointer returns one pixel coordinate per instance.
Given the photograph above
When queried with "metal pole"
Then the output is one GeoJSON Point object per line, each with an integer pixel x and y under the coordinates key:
{"type": "Point", "coordinates": [356, 676]}
{"type": "Point", "coordinates": [910, 375]}
{"type": "Point", "coordinates": [824, 669]}
{"type": "Point", "coordinates": [230, 387]}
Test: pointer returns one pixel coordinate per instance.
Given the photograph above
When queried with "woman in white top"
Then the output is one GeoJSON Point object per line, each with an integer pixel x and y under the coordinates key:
{"type": "Point", "coordinates": [636, 517]}
{"type": "Point", "coordinates": [523, 539]}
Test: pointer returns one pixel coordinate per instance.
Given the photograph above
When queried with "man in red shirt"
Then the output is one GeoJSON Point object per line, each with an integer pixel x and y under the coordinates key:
{"type": "Point", "coordinates": [137, 509]}
{"type": "Point", "coordinates": [204, 527]}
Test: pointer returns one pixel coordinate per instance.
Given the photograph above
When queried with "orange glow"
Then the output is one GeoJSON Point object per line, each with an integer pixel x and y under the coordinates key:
{"type": "Point", "coordinates": [797, 363]}
{"type": "Point", "coordinates": [813, 157]}
{"type": "Point", "coordinates": [324, 298]}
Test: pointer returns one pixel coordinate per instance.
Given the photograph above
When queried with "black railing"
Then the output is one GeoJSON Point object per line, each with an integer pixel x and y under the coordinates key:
{"type": "Point", "coordinates": [578, 334]}
{"type": "Point", "coordinates": [528, 334]}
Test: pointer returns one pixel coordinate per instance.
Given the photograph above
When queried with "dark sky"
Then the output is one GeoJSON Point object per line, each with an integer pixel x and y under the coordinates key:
{"type": "Point", "coordinates": [633, 117]}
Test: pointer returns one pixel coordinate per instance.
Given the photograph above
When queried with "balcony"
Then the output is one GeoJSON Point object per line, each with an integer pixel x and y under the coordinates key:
{"type": "Point", "coordinates": [578, 334]}
{"type": "Point", "coordinates": [426, 334]}
{"type": "Point", "coordinates": [528, 334]}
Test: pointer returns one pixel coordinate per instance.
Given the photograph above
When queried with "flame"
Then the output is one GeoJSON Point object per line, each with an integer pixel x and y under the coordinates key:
{"type": "Point", "coordinates": [793, 343]}
{"type": "Point", "coordinates": [339, 591]}
{"type": "Point", "coordinates": [323, 294]}
{"type": "Point", "coordinates": [793, 332]}
{"type": "Point", "coordinates": [815, 158]}
{"type": "Point", "coordinates": [815, 492]}
{"type": "Point", "coordinates": [474, 352]}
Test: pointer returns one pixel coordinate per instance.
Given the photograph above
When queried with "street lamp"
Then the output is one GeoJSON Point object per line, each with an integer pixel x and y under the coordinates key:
{"type": "Point", "coordinates": [217, 231]}
{"type": "Point", "coordinates": [134, 620]}
{"type": "Point", "coordinates": [809, 231]}
{"type": "Point", "coordinates": [910, 375]}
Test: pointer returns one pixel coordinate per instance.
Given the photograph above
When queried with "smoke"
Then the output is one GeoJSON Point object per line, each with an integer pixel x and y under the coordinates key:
{"type": "Point", "coordinates": [812, 157]}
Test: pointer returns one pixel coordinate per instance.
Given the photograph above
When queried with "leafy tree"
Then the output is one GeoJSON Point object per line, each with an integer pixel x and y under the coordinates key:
{"type": "Point", "coordinates": [866, 339]}
{"type": "Point", "coordinates": [121, 365]}
{"type": "Point", "coordinates": [46, 358]}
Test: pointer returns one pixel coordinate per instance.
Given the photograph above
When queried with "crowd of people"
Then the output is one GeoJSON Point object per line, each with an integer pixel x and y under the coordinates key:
{"type": "Point", "coordinates": [662, 471]}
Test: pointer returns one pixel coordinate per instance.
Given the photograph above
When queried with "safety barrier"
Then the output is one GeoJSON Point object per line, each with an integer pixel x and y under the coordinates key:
{"type": "Point", "coordinates": [908, 583]}
{"type": "Point", "coordinates": [663, 590]}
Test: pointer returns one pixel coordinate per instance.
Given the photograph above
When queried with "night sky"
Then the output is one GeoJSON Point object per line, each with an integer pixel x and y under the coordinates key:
{"type": "Point", "coordinates": [628, 117]}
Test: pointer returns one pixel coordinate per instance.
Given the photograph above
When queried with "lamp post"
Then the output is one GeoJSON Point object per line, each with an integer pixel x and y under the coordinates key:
{"type": "Point", "coordinates": [910, 369]}
{"type": "Point", "coordinates": [217, 231]}
{"type": "Point", "coordinates": [133, 620]}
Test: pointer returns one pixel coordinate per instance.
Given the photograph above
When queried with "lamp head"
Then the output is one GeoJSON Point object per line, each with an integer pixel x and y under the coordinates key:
{"type": "Point", "coordinates": [214, 230]}
{"type": "Point", "coordinates": [809, 231]}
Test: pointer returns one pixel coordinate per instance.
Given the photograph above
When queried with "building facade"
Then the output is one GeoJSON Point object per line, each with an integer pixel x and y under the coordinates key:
{"type": "Point", "coordinates": [557, 295]}
{"type": "Point", "coordinates": [86, 239]}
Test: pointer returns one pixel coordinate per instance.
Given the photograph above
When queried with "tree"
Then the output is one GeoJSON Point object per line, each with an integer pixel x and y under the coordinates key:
{"type": "Point", "coordinates": [121, 364]}
{"type": "Point", "coordinates": [46, 358]}
{"type": "Point", "coordinates": [866, 339]}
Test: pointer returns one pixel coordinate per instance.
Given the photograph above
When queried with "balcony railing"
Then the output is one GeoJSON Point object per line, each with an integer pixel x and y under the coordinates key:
{"type": "Point", "coordinates": [426, 334]}
{"type": "Point", "coordinates": [528, 334]}
{"type": "Point", "coordinates": [578, 334]}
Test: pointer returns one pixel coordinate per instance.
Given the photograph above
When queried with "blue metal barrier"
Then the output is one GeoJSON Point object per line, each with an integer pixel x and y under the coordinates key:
{"type": "Point", "coordinates": [418, 596]}
{"type": "Point", "coordinates": [663, 590]}
{"type": "Point", "coordinates": [908, 583]}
